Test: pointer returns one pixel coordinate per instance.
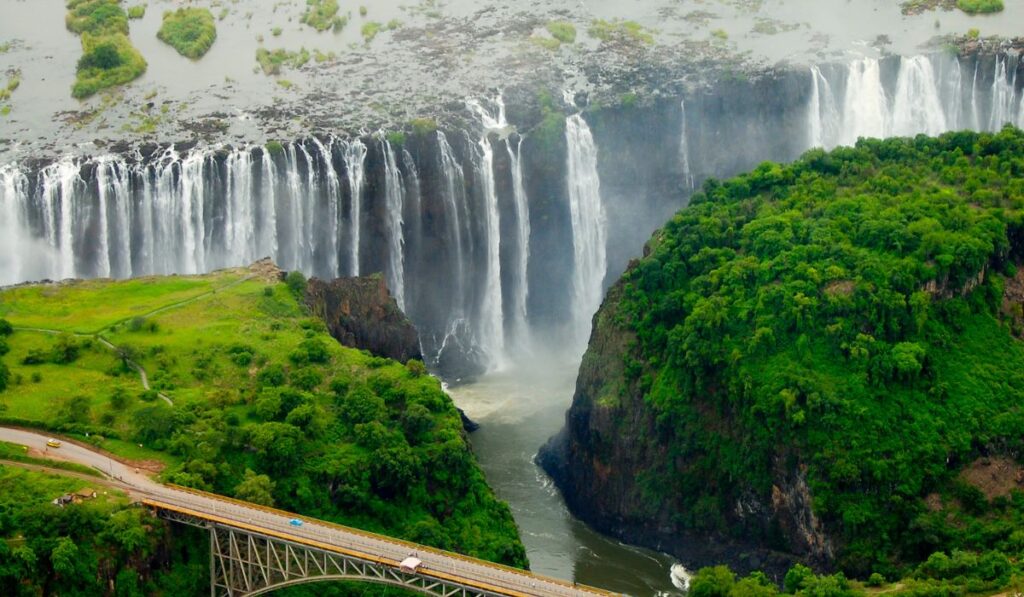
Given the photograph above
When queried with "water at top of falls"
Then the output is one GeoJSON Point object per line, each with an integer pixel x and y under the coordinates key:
{"type": "Point", "coordinates": [865, 106]}
{"type": "Point", "coordinates": [917, 107]}
{"type": "Point", "coordinates": [491, 326]}
{"type": "Point", "coordinates": [684, 147]}
{"type": "Point", "coordinates": [394, 196]}
{"type": "Point", "coordinates": [355, 164]}
{"type": "Point", "coordinates": [589, 225]}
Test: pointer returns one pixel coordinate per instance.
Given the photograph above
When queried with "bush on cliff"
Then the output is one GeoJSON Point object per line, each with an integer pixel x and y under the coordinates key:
{"type": "Point", "coordinates": [852, 319]}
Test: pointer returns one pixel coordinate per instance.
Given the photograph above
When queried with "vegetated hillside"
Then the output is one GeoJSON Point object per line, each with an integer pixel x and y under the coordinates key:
{"type": "Point", "coordinates": [92, 546]}
{"type": "Point", "coordinates": [821, 359]}
{"type": "Point", "coordinates": [251, 398]}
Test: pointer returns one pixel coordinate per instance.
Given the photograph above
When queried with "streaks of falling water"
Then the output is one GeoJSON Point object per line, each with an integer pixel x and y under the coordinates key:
{"type": "Point", "coordinates": [589, 224]}
{"type": "Point", "coordinates": [333, 195]}
{"type": "Point", "coordinates": [521, 280]}
{"type": "Point", "coordinates": [355, 164]}
{"type": "Point", "coordinates": [394, 197]}
{"type": "Point", "coordinates": [916, 106]}
{"type": "Point", "coordinates": [13, 194]}
{"type": "Point", "coordinates": [865, 106]}
{"type": "Point", "coordinates": [491, 324]}
{"type": "Point", "coordinates": [684, 148]}
{"type": "Point", "coordinates": [454, 194]}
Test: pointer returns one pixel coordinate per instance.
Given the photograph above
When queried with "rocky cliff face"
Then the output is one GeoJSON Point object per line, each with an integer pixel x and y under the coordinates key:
{"type": "Point", "coordinates": [361, 313]}
{"type": "Point", "coordinates": [613, 449]}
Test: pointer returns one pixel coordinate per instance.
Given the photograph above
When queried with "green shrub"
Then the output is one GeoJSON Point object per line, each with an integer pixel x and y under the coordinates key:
{"type": "Point", "coordinates": [562, 31]}
{"type": "Point", "coordinates": [370, 30]}
{"type": "Point", "coordinates": [980, 6]}
{"type": "Point", "coordinates": [106, 62]}
{"type": "Point", "coordinates": [876, 580]}
{"type": "Point", "coordinates": [619, 30]}
{"type": "Point", "coordinates": [96, 17]}
{"type": "Point", "coordinates": [190, 31]}
{"type": "Point", "coordinates": [272, 61]}
{"type": "Point", "coordinates": [296, 282]}
{"type": "Point", "coordinates": [6, 329]}
{"type": "Point", "coordinates": [320, 14]}
{"type": "Point", "coordinates": [423, 126]}
{"type": "Point", "coordinates": [137, 12]}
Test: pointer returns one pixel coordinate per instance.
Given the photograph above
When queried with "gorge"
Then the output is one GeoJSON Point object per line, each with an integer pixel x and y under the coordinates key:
{"type": "Point", "coordinates": [495, 199]}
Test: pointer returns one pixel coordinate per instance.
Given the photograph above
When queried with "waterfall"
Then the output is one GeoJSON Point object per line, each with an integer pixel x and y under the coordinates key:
{"type": "Point", "coordinates": [240, 227]}
{"type": "Point", "coordinates": [454, 193]}
{"type": "Point", "coordinates": [824, 119]}
{"type": "Point", "coordinates": [1004, 81]}
{"type": "Point", "coordinates": [491, 325]}
{"type": "Point", "coordinates": [268, 210]}
{"type": "Point", "coordinates": [13, 206]}
{"type": "Point", "coordinates": [521, 284]}
{"type": "Point", "coordinates": [684, 147]}
{"type": "Point", "coordinates": [975, 119]}
{"type": "Point", "coordinates": [394, 195]}
{"type": "Point", "coordinates": [332, 221]}
{"type": "Point", "coordinates": [355, 164]}
{"type": "Point", "coordinates": [916, 106]}
{"type": "Point", "coordinates": [865, 105]}
{"type": "Point", "coordinates": [588, 224]}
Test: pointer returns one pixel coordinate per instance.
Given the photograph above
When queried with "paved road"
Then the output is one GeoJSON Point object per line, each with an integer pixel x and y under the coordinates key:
{"type": "Point", "coordinates": [141, 486]}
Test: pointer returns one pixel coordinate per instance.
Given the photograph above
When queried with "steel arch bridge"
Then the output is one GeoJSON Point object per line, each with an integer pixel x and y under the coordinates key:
{"type": "Point", "coordinates": [246, 562]}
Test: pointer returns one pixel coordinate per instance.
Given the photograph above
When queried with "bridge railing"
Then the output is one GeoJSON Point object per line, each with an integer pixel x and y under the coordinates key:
{"type": "Point", "coordinates": [392, 540]}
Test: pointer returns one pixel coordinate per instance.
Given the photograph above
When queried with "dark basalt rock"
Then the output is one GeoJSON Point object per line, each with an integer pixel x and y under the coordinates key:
{"type": "Point", "coordinates": [361, 313]}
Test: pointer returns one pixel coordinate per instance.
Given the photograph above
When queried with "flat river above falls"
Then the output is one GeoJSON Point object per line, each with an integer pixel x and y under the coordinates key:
{"type": "Point", "coordinates": [518, 410]}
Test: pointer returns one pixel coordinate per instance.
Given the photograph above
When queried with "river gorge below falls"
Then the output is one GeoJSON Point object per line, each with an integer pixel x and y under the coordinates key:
{"type": "Point", "coordinates": [497, 232]}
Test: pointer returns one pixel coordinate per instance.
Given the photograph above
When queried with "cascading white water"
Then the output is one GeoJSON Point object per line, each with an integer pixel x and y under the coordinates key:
{"type": "Point", "coordinates": [58, 189]}
{"type": "Point", "coordinates": [13, 194]}
{"type": "Point", "coordinates": [916, 106]}
{"type": "Point", "coordinates": [1003, 82]}
{"type": "Point", "coordinates": [355, 168]}
{"type": "Point", "coordinates": [240, 228]}
{"type": "Point", "coordinates": [491, 324]}
{"type": "Point", "coordinates": [824, 117]}
{"type": "Point", "coordinates": [589, 225]}
{"type": "Point", "coordinates": [454, 194]}
{"type": "Point", "coordinates": [684, 148]}
{"type": "Point", "coordinates": [927, 97]}
{"type": "Point", "coordinates": [394, 197]}
{"type": "Point", "coordinates": [521, 290]}
{"type": "Point", "coordinates": [268, 200]}
{"type": "Point", "coordinates": [866, 108]}
{"type": "Point", "coordinates": [333, 191]}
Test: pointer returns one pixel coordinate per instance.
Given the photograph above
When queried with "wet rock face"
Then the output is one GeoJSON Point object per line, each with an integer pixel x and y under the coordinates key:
{"type": "Point", "coordinates": [612, 442]}
{"type": "Point", "coordinates": [361, 313]}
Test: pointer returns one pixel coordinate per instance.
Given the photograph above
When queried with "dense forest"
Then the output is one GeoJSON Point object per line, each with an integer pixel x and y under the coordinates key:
{"type": "Point", "coordinates": [849, 324]}
{"type": "Point", "coordinates": [251, 398]}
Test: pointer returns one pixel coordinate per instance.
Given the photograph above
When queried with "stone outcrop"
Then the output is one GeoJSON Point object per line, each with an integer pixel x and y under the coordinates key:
{"type": "Point", "coordinates": [612, 442]}
{"type": "Point", "coordinates": [361, 313]}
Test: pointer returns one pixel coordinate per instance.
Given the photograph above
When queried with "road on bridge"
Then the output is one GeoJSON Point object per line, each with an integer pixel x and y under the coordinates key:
{"type": "Point", "coordinates": [499, 579]}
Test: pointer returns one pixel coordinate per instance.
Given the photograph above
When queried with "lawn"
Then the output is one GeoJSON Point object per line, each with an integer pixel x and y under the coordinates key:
{"type": "Point", "coordinates": [90, 306]}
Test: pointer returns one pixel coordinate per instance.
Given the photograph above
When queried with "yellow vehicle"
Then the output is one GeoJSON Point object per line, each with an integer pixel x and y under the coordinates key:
{"type": "Point", "coordinates": [53, 443]}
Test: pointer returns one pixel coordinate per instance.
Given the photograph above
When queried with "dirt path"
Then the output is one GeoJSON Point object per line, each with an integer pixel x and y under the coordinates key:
{"type": "Point", "coordinates": [110, 345]}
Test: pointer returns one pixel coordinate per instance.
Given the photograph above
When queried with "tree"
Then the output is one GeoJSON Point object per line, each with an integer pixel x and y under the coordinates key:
{"type": "Point", "coordinates": [258, 489]}
{"type": "Point", "coordinates": [125, 529]}
{"type": "Point", "coordinates": [75, 409]}
{"type": "Point", "coordinates": [796, 577]}
{"type": "Point", "coordinates": [66, 350]}
{"type": "Point", "coordinates": [6, 329]}
{"type": "Point", "coordinates": [296, 283]}
{"type": "Point", "coordinates": [715, 581]}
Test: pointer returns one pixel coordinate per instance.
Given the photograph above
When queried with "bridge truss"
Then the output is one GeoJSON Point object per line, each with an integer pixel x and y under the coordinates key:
{"type": "Point", "coordinates": [244, 563]}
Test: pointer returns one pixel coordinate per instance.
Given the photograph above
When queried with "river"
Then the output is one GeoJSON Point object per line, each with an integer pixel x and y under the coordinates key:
{"type": "Point", "coordinates": [518, 409]}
